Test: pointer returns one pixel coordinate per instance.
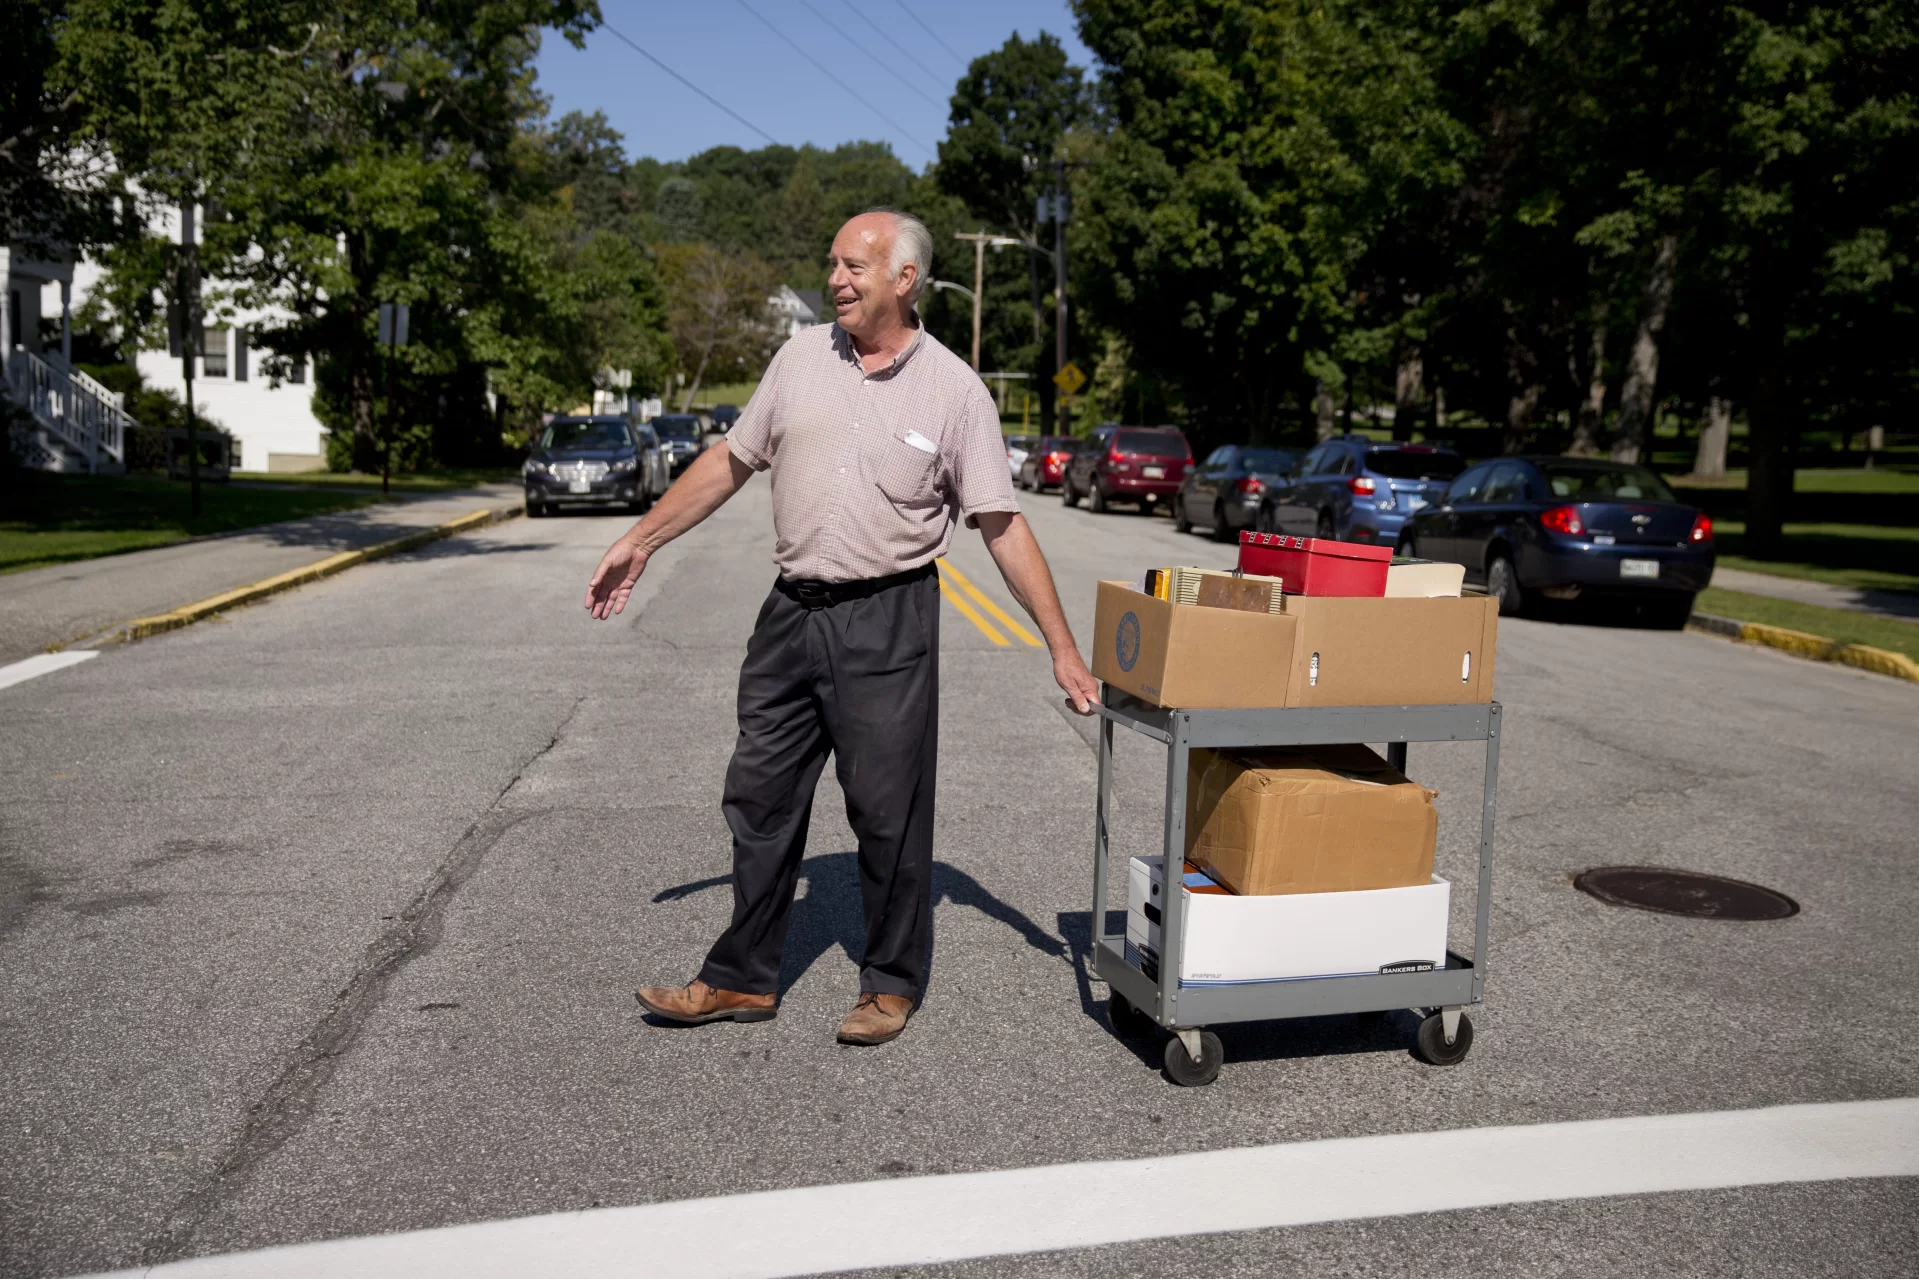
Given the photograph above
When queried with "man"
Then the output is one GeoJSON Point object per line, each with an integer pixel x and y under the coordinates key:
{"type": "Point", "coordinates": [878, 439]}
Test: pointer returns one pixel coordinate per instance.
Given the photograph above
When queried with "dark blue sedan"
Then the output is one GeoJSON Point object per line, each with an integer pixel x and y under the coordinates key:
{"type": "Point", "coordinates": [1566, 527]}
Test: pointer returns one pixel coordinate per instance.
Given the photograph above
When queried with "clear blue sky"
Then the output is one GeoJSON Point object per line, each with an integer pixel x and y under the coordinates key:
{"type": "Point", "coordinates": [722, 47]}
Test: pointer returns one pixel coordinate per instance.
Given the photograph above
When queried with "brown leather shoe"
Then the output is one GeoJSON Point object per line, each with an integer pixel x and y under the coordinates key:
{"type": "Point", "coordinates": [876, 1019]}
{"type": "Point", "coordinates": [698, 1002]}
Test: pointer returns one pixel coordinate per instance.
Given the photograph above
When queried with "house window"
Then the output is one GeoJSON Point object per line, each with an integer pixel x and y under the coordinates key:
{"type": "Point", "coordinates": [213, 352]}
{"type": "Point", "coordinates": [298, 375]}
{"type": "Point", "coordinates": [239, 355]}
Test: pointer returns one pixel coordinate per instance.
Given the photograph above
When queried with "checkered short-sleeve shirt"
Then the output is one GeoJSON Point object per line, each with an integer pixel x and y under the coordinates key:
{"type": "Point", "coordinates": [871, 471]}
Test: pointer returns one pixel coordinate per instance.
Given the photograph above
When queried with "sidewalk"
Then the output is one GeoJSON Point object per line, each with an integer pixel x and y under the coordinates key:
{"type": "Point", "coordinates": [65, 602]}
{"type": "Point", "coordinates": [1884, 603]}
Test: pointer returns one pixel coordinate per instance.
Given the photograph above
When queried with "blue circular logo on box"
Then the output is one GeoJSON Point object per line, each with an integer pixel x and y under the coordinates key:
{"type": "Point", "coordinates": [1126, 643]}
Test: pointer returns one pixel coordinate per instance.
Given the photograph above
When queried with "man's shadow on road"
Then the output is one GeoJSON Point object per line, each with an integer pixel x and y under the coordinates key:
{"type": "Point", "coordinates": [828, 914]}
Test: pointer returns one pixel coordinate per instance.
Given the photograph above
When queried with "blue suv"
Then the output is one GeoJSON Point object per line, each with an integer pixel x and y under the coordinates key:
{"type": "Point", "coordinates": [1353, 489]}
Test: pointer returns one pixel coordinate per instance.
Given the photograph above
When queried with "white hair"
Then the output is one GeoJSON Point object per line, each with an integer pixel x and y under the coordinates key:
{"type": "Point", "coordinates": [912, 242]}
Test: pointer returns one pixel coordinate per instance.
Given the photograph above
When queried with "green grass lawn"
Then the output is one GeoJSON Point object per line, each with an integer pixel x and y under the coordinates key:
{"type": "Point", "coordinates": [1842, 624]}
{"type": "Point", "coordinates": [1868, 556]}
{"type": "Point", "coordinates": [1896, 478]}
{"type": "Point", "coordinates": [737, 393]}
{"type": "Point", "coordinates": [57, 519]}
{"type": "Point", "coordinates": [411, 482]}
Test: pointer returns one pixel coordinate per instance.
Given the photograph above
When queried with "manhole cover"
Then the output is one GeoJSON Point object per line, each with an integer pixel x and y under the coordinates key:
{"type": "Point", "coordinates": [1684, 892]}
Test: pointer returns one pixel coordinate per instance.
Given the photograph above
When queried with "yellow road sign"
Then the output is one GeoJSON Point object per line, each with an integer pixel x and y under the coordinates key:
{"type": "Point", "coordinates": [1069, 379]}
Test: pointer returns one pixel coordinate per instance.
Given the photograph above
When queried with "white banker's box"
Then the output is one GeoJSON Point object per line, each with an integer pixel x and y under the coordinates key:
{"type": "Point", "coordinates": [1232, 939]}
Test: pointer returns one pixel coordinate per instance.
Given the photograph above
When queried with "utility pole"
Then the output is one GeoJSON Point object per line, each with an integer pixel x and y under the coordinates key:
{"type": "Point", "coordinates": [979, 241]}
{"type": "Point", "coordinates": [189, 290]}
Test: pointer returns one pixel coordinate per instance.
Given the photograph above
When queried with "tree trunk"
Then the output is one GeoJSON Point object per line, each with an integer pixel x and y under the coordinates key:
{"type": "Point", "coordinates": [1585, 441]}
{"type": "Point", "coordinates": [1323, 416]}
{"type": "Point", "coordinates": [693, 387]}
{"type": "Point", "coordinates": [1710, 462]}
{"type": "Point", "coordinates": [1632, 434]}
{"type": "Point", "coordinates": [1519, 419]}
{"type": "Point", "coordinates": [1406, 388]}
{"type": "Point", "coordinates": [1768, 465]}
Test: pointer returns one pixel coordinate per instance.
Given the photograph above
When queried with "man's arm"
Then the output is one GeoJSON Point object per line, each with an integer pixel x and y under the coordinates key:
{"type": "Point", "coordinates": [714, 476]}
{"type": "Point", "coordinates": [1014, 549]}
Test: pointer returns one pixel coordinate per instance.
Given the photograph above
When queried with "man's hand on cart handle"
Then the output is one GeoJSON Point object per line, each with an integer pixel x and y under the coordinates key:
{"type": "Point", "coordinates": [1082, 690]}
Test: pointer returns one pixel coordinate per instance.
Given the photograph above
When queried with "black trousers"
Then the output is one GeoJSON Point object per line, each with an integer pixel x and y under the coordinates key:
{"type": "Point", "coordinates": [857, 677]}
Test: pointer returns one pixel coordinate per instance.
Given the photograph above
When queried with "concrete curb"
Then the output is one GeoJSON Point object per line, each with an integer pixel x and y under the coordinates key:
{"type": "Point", "coordinates": [140, 628]}
{"type": "Point", "coordinates": [1815, 647]}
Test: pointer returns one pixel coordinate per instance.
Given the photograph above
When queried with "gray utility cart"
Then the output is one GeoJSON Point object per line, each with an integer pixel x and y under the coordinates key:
{"type": "Point", "coordinates": [1194, 1054]}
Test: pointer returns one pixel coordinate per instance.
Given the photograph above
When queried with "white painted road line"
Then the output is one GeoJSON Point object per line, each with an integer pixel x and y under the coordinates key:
{"type": "Point", "coordinates": [42, 664]}
{"type": "Point", "coordinates": [821, 1229]}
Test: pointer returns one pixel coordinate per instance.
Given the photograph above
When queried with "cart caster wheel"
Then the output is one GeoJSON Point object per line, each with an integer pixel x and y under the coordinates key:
{"type": "Point", "coordinates": [1128, 1021]}
{"type": "Point", "coordinates": [1432, 1046]}
{"type": "Point", "coordinates": [1187, 1073]}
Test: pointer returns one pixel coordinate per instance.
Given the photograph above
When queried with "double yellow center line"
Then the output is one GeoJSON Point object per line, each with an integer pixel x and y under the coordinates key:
{"type": "Point", "coordinates": [958, 591]}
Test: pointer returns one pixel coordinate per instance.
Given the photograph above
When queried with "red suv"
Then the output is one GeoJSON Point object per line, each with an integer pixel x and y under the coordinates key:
{"type": "Point", "coordinates": [1144, 464]}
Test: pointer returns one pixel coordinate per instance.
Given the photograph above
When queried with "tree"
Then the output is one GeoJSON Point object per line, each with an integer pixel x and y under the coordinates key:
{"type": "Point", "coordinates": [1010, 114]}
{"type": "Point", "coordinates": [717, 313]}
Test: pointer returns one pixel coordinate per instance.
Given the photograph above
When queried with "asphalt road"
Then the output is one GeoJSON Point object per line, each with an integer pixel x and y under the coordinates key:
{"type": "Point", "coordinates": [324, 921]}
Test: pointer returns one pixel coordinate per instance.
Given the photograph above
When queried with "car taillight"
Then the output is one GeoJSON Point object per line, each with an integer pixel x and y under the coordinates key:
{"type": "Point", "coordinates": [1057, 459]}
{"type": "Point", "coordinates": [1702, 528]}
{"type": "Point", "coordinates": [1361, 485]}
{"type": "Point", "coordinates": [1562, 519]}
{"type": "Point", "coordinates": [1251, 486]}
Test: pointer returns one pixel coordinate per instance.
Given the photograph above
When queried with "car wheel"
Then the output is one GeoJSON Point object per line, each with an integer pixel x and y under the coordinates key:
{"type": "Point", "coordinates": [1096, 499]}
{"type": "Point", "coordinates": [1325, 526]}
{"type": "Point", "coordinates": [1066, 497]}
{"type": "Point", "coordinates": [1222, 531]}
{"type": "Point", "coordinates": [1502, 582]}
{"type": "Point", "coordinates": [535, 510]}
{"type": "Point", "coordinates": [1181, 524]}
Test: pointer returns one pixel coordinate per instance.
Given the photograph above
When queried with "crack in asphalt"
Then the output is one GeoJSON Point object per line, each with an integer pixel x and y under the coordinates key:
{"type": "Point", "coordinates": [288, 1102]}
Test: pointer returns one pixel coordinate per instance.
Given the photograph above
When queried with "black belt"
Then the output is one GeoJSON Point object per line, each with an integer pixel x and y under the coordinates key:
{"type": "Point", "coordinates": [826, 594]}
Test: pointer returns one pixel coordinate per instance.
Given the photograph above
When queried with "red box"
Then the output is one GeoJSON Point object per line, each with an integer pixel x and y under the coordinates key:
{"type": "Point", "coordinates": [1316, 565]}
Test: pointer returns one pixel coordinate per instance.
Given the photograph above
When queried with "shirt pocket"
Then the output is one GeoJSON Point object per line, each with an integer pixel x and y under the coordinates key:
{"type": "Point", "coordinates": [906, 473]}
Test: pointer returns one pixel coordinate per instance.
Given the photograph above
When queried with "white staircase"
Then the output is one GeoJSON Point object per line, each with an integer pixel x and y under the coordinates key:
{"type": "Point", "coordinates": [78, 425]}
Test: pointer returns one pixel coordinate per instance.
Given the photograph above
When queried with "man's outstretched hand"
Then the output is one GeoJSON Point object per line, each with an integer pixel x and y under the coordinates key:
{"type": "Point", "coordinates": [1081, 689]}
{"type": "Point", "coordinates": [614, 579]}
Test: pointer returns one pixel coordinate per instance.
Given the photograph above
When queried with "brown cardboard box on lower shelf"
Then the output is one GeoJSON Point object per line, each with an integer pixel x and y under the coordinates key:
{"type": "Point", "coordinates": [1311, 819]}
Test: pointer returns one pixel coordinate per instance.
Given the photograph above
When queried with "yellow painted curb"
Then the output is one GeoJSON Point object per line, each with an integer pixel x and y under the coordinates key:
{"type": "Point", "coordinates": [1817, 647]}
{"type": "Point", "coordinates": [1884, 661]}
{"type": "Point", "coordinates": [187, 614]}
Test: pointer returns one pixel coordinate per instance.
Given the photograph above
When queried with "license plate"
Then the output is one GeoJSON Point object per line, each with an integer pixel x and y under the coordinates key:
{"type": "Point", "coordinates": [1639, 568]}
{"type": "Point", "coordinates": [1414, 503]}
{"type": "Point", "coordinates": [579, 486]}
{"type": "Point", "coordinates": [1153, 472]}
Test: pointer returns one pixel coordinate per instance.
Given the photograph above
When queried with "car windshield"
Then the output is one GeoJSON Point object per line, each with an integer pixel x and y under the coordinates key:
{"type": "Point", "coordinates": [1058, 443]}
{"type": "Point", "coordinates": [1027, 442]}
{"type": "Point", "coordinates": [677, 427]}
{"type": "Point", "coordinates": [1600, 482]}
{"type": "Point", "coordinates": [1412, 464]}
{"type": "Point", "coordinates": [1279, 460]}
{"type": "Point", "coordinates": [578, 434]}
{"type": "Point", "coordinates": [1151, 443]}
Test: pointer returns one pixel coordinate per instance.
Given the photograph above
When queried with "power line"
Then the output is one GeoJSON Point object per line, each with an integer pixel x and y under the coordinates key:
{"type": "Point", "coordinates": [929, 31]}
{"type": "Point", "coordinates": [817, 66]}
{"type": "Point", "coordinates": [887, 36]}
{"type": "Point", "coordinates": [689, 84]}
{"type": "Point", "coordinates": [828, 22]}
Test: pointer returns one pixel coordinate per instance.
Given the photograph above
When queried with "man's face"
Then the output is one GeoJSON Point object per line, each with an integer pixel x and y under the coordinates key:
{"type": "Point", "coordinates": [864, 298]}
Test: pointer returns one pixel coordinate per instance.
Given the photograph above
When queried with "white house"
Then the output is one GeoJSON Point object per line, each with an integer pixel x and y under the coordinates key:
{"type": "Point", "coordinates": [795, 309]}
{"type": "Point", "coordinates": [75, 423]}
{"type": "Point", "coordinates": [273, 426]}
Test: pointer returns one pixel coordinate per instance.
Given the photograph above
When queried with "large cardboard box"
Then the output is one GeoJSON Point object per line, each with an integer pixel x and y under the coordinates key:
{"type": "Point", "coordinates": [1322, 651]}
{"type": "Point", "coordinates": [1315, 819]}
{"type": "Point", "coordinates": [1232, 940]}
